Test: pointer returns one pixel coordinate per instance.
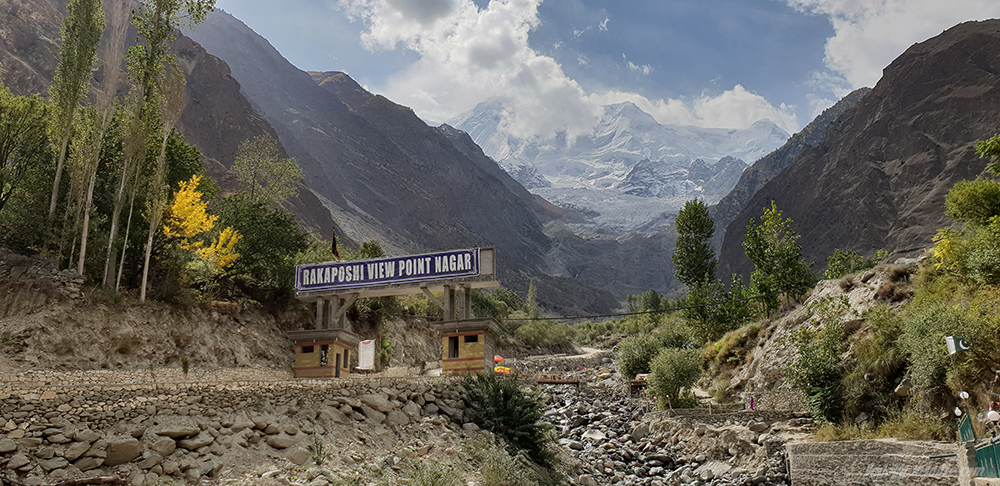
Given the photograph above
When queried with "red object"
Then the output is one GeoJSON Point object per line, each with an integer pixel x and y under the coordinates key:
{"type": "Point", "coordinates": [333, 248]}
{"type": "Point", "coordinates": [497, 358]}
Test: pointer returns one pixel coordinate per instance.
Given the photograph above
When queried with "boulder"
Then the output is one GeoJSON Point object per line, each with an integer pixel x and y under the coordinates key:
{"type": "Point", "coordinates": [280, 441]}
{"type": "Point", "coordinates": [201, 440]}
{"type": "Point", "coordinates": [54, 463]}
{"type": "Point", "coordinates": [7, 445]}
{"type": "Point", "coordinates": [151, 459]}
{"type": "Point", "coordinates": [412, 410]}
{"type": "Point", "coordinates": [86, 435]}
{"type": "Point", "coordinates": [373, 415]}
{"type": "Point", "coordinates": [163, 446]}
{"type": "Point", "coordinates": [76, 449]}
{"type": "Point", "coordinates": [332, 415]}
{"type": "Point", "coordinates": [241, 421]}
{"type": "Point", "coordinates": [594, 434]}
{"type": "Point", "coordinates": [639, 432]}
{"type": "Point", "coordinates": [121, 450]}
{"type": "Point", "coordinates": [179, 431]}
{"type": "Point", "coordinates": [88, 463]}
{"type": "Point", "coordinates": [299, 456]}
{"type": "Point", "coordinates": [19, 460]}
{"type": "Point", "coordinates": [396, 417]}
{"type": "Point", "coordinates": [378, 401]}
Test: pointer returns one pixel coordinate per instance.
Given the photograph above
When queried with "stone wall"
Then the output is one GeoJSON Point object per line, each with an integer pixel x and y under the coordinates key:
{"type": "Point", "coordinates": [872, 462]}
{"type": "Point", "coordinates": [180, 432]}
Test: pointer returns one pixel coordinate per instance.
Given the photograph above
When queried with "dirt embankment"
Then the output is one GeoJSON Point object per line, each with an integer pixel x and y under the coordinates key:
{"type": "Point", "coordinates": [47, 321]}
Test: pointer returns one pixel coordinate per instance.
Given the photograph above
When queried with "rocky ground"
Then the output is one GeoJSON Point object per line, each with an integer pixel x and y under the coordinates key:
{"type": "Point", "coordinates": [613, 439]}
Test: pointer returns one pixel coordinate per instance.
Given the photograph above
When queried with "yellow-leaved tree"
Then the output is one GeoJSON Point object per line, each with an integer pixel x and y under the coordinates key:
{"type": "Point", "coordinates": [187, 218]}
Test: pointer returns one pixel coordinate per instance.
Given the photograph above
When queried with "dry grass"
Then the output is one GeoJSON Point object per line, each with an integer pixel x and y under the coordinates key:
{"type": "Point", "coordinates": [902, 425]}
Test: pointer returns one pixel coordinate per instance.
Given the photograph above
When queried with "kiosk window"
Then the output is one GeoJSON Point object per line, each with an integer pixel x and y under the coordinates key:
{"type": "Point", "coordinates": [453, 347]}
{"type": "Point", "coordinates": [307, 349]}
{"type": "Point", "coordinates": [472, 339]}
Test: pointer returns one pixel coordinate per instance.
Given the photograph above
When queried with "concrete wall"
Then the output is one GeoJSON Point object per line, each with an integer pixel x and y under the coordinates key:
{"type": "Point", "coordinates": [872, 462]}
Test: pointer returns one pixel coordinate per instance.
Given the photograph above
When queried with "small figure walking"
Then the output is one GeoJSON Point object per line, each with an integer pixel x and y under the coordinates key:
{"type": "Point", "coordinates": [751, 402]}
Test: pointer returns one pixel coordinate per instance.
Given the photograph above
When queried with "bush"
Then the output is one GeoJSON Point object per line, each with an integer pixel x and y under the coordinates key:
{"type": "Point", "coordinates": [434, 474]}
{"type": "Point", "coordinates": [497, 467]}
{"type": "Point", "coordinates": [817, 369]}
{"type": "Point", "coordinates": [496, 403]}
{"type": "Point", "coordinates": [731, 351]}
{"type": "Point", "coordinates": [673, 370]}
{"type": "Point", "coordinates": [544, 334]}
{"type": "Point", "coordinates": [635, 353]}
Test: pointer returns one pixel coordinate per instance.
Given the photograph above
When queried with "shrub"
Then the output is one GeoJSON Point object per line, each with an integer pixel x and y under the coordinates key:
{"type": "Point", "coordinates": [497, 467]}
{"type": "Point", "coordinates": [673, 370]}
{"type": "Point", "coordinates": [496, 403]}
{"type": "Point", "coordinates": [730, 351]}
{"type": "Point", "coordinates": [816, 369]}
{"type": "Point", "coordinates": [435, 474]}
{"type": "Point", "coordinates": [635, 353]}
{"type": "Point", "coordinates": [544, 334]}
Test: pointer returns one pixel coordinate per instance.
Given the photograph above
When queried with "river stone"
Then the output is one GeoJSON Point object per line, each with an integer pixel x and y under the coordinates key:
{"type": "Point", "coordinates": [396, 417]}
{"type": "Point", "coordinates": [76, 449]}
{"type": "Point", "coordinates": [178, 431]}
{"type": "Point", "coordinates": [163, 446]}
{"type": "Point", "coordinates": [412, 410]}
{"type": "Point", "coordinates": [7, 445]}
{"type": "Point", "coordinates": [86, 435]}
{"type": "Point", "coordinates": [121, 451]}
{"type": "Point", "coordinates": [241, 421]}
{"type": "Point", "coordinates": [333, 415]}
{"type": "Point", "coordinates": [280, 441]}
{"type": "Point", "coordinates": [639, 432]}
{"type": "Point", "coordinates": [378, 401]}
{"type": "Point", "coordinates": [373, 415]}
{"type": "Point", "coordinates": [17, 461]}
{"type": "Point", "coordinates": [54, 463]}
{"type": "Point", "coordinates": [88, 463]}
{"type": "Point", "coordinates": [594, 434]}
{"type": "Point", "coordinates": [201, 440]}
{"type": "Point", "coordinates": [299, 456]}
{"type": "Point", "coordinates": [151, 459]}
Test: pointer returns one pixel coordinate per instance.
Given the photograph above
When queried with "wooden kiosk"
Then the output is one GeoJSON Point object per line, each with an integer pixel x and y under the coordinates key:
{"type": "Point", "coordinates": [325, 351]}
{"type": "Point", "coordinates": [468, 345]}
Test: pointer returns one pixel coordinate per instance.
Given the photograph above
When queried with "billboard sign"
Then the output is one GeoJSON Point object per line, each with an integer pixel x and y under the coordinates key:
{"type": "Point", "coordinates": [318, 277]}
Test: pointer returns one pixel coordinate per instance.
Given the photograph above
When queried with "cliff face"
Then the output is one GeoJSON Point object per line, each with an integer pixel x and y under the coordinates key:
{"type": "Point", "coordinates": [879, 177]}
{"type": "Point", "coordinates": [769, 166]}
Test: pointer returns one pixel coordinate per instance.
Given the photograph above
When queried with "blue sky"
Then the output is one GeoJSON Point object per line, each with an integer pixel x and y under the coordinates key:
{"type": "Point", "coordinates": [713, 63]}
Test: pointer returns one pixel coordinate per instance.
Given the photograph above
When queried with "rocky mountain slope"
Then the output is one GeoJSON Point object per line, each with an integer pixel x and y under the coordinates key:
{"type": "Point", "coordinates": [879, 178]}
{"type": "Point", "coordinates": [384, 174]}
{"type": "Point", "coordinates": [767, 167]}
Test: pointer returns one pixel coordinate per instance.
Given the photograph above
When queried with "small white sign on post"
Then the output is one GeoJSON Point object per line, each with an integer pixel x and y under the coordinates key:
{"type": "Point", "coordinates": [366, 355]}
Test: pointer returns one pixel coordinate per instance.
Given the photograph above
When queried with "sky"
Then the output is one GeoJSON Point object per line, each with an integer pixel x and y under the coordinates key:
{"type": "Point", "coordinates": [707, 63]}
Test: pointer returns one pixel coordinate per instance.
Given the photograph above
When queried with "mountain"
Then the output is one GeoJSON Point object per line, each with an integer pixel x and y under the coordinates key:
{"type": "Point", "coordinates": [879, 177]}
{"type": "Point", "coordinates": [649, 179]}
{"type": "Point", "coordinates": [217, 117]}
{"type": "Point", "coordinates": [769, 166]}
{"type": "Point", "coordinates": [384, 174]}
{"type": "Point", "coordinates": [624, 136]}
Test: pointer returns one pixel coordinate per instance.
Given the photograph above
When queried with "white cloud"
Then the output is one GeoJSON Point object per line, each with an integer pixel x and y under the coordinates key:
{"type": "Point", "coordinates": [604, 25]}
{"type": "Point", "coordinates": [467, 55]}
{"type": "Point", "coordinates": [869, 34]}
{"type": "Point", "coordinates": [734, 108]}
{"type": "Point", "coordinates": [643, 69]}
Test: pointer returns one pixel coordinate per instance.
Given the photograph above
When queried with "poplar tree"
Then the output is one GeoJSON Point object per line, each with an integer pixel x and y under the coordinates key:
{"type": "Point", "coordinates": [24, 140]}
{"type": "Point", "coordinates": [81, 33]}
{"type": "Point", "coordinates": [93, 140]}
{"type": "Point", "coordinates": [777, 258]}
{"type": "Point", "coordinates": [694, 259]}
{"type": "Point", "coordinates": [157, 22]}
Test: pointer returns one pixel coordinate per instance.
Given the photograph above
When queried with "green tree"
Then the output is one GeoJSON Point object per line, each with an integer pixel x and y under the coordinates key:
{"type": "Point", "coordinates": [271, 240]}
{"type": "Point", "coordinates": [263, 173]}
{"type": "Point", "coordinates": [973, 202]}
{"type": "Point", "coordinates": [157, 22]}
{"type": "Point", "coordinates": [91, 138]}
{"type": "Point", "coordinates": [24, 140]}
{"type": "Point", "coordinates": [81, 33]}
{"type": "Point", "coordinates": [496, 403]}
{"type": "Point", "coordinates": [777, 258]}
{"type": "Point", "coordinates": [673, 372]}
{"type": "Point", "coordinates": [694, 259]}
{"type": "Point", "coordinates": [990, 148]}
{"type": "Point", "coordinates": [817, 370]}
